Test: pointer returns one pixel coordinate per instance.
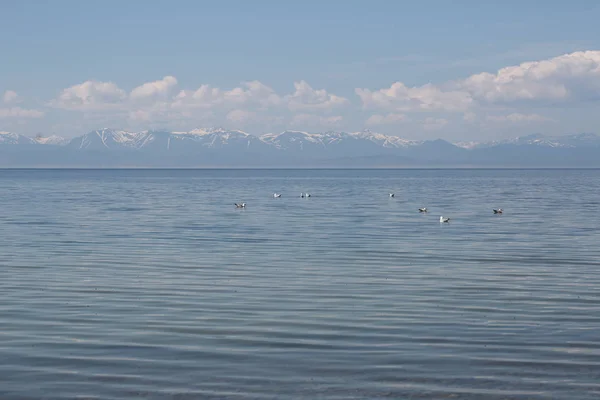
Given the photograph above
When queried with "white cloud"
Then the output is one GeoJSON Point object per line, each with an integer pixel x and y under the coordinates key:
{"type": "Point", "coordinates": [204, 97]}
{"type": "Point", "coordinates": [155, 100]}
{"type": "Point", "coordinates": [140, 116]}
{"type": "Point", "coordinates": [574, 77]}
{"type": "Point", "coordinates": [432, 124]}
{"type": "Point", "coordinates": [254, 93]}
{"type": "Point", "coordinates": [18, 112]}
{"type": "Point", "coordinates": [428, 97]}
{"type": "Point", "coordinates": [252, 102]}
{"type": "Point", "coordinates": [387, 119]}
{"type": "Point", "coordinates": [310, 120]}
{"type": "Point", "coordinates": [571, 77]}
{"type": "Point", "coordinates": [160, 89]}
{"type": "Point", "coordinates": [10, 96]}
{"type": "Point", "coordinates": [509, 95]}
{"type": "Point", "coordinates": [306, 98]}
{"type": "Point", "coordinates": [241, 116]}
{"type": "Point", "coordinates": [469, 116]}
{"type": "Point", "coordinates": [90, 95]}
{"type": "Point", "coordinates": [518, 118]}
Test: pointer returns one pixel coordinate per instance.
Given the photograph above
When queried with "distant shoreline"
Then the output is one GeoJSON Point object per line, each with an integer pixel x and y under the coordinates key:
{"type": "Point", "coordinates": [290, 168]}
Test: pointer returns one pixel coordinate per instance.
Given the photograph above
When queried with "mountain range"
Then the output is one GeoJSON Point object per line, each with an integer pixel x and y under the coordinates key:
{"type": "Point", "coordinates": [217, 147]}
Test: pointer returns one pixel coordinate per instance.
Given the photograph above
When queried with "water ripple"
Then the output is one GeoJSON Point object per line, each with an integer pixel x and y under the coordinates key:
{"type": "Point", "coordinates": [150, 284]}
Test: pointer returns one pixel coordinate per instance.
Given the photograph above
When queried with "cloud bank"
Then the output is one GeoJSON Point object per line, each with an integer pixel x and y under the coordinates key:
{"type": "Point", "coordinates": [519, 94]}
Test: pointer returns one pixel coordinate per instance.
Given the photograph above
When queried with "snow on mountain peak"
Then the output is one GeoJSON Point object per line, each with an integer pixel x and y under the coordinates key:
{"type": "Point", "coordinates": [467, 145]}
{"type": "Point", "coordinates": [537, 139]}
{"type": "Point", "coordinates": [14, 138]}
{"type": "Point", "coordinates": [109, 138]}
{"type": "Point", "coordinates": [211, 131]}
{"type": "Point", "coordinates": [334, 142]}
{"type": "Point", "coordinates": [51, 140]}
{"type": "Point", "coordinates": [290, 139]}
{"type": "Point", "coordinates": [385, 140]}
{"type": "Point", "coordinates": [215, 137]}
{"type": "Point", "coordinates": [8, 137]}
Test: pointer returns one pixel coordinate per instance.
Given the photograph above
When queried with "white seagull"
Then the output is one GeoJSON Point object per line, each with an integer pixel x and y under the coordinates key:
{"type": "Point", "coordinates": [392, 195]}
{"type": "Point", "coordinates": [276, 195]}
{"type": "Point", "coordinates": [423, 210]}
{"type": "Point", "coordinates": [442, 219]}
{"type": "Point", "coordinates": [242, 205]}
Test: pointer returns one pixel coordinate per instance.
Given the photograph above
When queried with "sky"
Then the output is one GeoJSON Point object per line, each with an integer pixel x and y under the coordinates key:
{"type": "Point", "coordinates": [460, 70]}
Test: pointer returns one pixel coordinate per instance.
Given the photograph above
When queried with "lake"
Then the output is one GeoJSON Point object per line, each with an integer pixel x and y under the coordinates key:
{"type": "Point", "coordinates": [150, 284]}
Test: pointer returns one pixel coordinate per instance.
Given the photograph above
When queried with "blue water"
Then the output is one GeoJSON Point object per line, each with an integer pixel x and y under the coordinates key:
{"type": "Point", "coordinates": [147, 284]}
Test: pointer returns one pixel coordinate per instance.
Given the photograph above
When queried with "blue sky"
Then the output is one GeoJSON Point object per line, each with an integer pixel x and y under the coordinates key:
{"type": "Point", "coordinates": [410, 69]}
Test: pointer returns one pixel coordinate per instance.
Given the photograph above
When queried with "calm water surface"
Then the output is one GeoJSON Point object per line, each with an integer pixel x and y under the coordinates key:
{"type": "Point", "coordinates": [151, 285]}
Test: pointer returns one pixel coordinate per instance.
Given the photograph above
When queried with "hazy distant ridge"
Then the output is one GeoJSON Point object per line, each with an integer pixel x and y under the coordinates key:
{"type": "Point", "coordinates": [220, 147]}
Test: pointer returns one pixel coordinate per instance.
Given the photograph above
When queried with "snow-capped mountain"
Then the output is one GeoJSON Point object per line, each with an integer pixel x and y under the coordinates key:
{"type": "Point", "coordinates": [104, 139]}
{"type": "Point", "coordinates": [467, 145]}
{"type": "Point", "coordinates": [222, 147]}
{"type": "Point", "coordinates": [51, 140]}
{"type": "Point", "coordinates": [385, 140]}
{"type": "Point", "coordinates": [14, 138]}
{"type": "Point", "coordinates": [299, 140]}
{"type": "Point", "coordinates": [577, 140]}
{"type": "Point", "coordinates": [214, 138]}
{"type": "Point", "coordinates": [293, 140]}
{"type": "Point", "coordinates": [288, 140]}
{"type": "Point", "coordinates": [535, 139]}
{"type": "Point", "coordinates": [109, 139]}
